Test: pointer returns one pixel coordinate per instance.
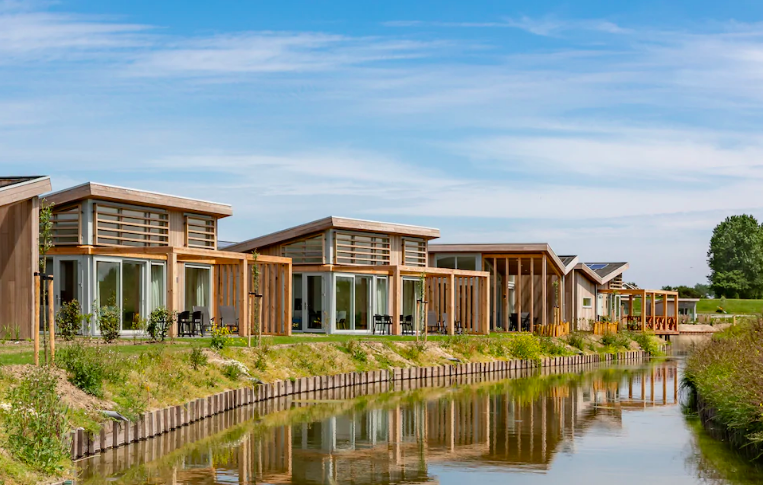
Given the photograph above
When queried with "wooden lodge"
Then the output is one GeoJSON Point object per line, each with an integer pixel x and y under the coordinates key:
{"type": "Point", "coordinates": [19, 257]}
{"type": "Point", "coordinates": [142, 250]}
{"type": "Point", "coordinates": [526, 281]}
{"type": "Point", "coordinates": [350, 274]}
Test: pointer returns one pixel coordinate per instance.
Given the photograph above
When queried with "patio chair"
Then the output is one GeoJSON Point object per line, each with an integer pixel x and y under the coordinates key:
{"type": "Point", "coordinates": [405, 325]}
{"type": "Point", "coordinates": [387, 323]}
{"type": "Point", "coordinates": [408, 321]}
{"type": "Point", "coordinates": [525, 322]}
{"type": "Point", "coordinates": [341, 320]}
{"type": "Point", "coordinates": [377, 324]}
{"type": "Point", "coordinates": [432, 324]}
{"type": "Point", "coordinates": [205, 323]}
{"type": "Point", "coordinates": [229, 318]}
{"type": "Point", "coordinates": [184, 324]}
{"type": "Point", "coordinates": [444, 323]}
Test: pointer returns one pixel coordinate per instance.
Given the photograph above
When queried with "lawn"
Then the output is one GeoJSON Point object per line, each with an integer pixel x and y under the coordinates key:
{"type": "Point", "coordinates": [733, 307]}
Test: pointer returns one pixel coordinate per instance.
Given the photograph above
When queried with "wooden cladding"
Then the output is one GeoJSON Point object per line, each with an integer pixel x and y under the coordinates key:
{"type": "Point", "coordinates": [462, 299]}
{"type": "Point", "coordinates": [310, 250]}
{"type": "Point", "coordinates": [67, 227]}
{"type": "Point", "coordinates": [414, 252]}
{"type": "Point", "coordinates": [200, 232]}
{"type": "Point", "coordinates": [275, 288]}
{"type": "Point", "coordinates": [361, 249]}
{"type": "Point", "coordinates": [616, 283]}
{"type": "Point", "coordinates": [121, 226]}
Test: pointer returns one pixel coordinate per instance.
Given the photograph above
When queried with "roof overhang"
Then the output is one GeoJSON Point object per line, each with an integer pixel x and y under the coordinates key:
{"type": "Point", "coordinates": [506, 248]}
{"type": "Point", "coordinates": [23, 188]}
{"type": "Point", "coordinates": [92, 190]}
{"type": "Point", "coordinates": [333, 222]}
{"type": "Point", "coordinates": [588, 273]}
{"type": "Point", "coordinates": [569, 263]}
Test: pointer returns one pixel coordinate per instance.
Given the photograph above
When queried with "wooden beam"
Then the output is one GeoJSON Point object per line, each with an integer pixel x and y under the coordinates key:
{"type": "Point", "coordinates": [51, 322]}
{"type": "Point", "coordinates": [544, 291]}
{"type": "Point", "coordinates": [288, 297]}
{"type": "Point", "coordinates": [485, 326]}
{"type": "Point", "coordinates": [396, 292]}
{"type": "Point", "coordinates": [36, 329]}
{"type": "Point", "coordinates": [244, 325]}
{"type": "Point", "coordinates": [654, 311]}
{"type": "Point", "coordinates": [451, 306]}
{"type": "Point", "coordinates": [505, 291]}
{"type": "Point", "coordinates": [172, 291]}
{"type": "Point", "coordinates": [494, 323]}
{"type": "Point", "coordinates": [532, 296]}
{"type": "Point", "coordinates": [518, 293]}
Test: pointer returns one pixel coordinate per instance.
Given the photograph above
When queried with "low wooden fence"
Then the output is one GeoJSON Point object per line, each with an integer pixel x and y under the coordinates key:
{"type": "Point", "coordinates": [603, 328]}
{"type": "Point", "coordinates": [553, 330]}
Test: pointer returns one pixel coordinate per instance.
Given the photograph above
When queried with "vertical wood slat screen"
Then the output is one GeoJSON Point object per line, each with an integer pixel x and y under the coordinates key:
{"type": "Point", "coordinates": [273, 277]}
{"type": "Point", "coordinates": [466, 309]}
{"type": "Point", "coordinates": [200, 232]}
{"type": "Point", "coordinates": [67, 227]}
{"type": "Point", "coordinates": [414, 252]}
{"type": "Point", "coordinates": [361, 249]}
{"type": "Point", "coordinates": [138, 227]}
{"type": "Point", "coordinates": [310, 250]}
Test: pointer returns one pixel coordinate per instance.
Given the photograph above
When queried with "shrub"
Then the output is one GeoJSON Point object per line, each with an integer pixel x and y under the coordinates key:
{"type": "Point", "coordinates": [648, 343]}
{"type": "Point", "coordinates": [131, 404]}
{"type": "Point", "coordinates": [549, 346]}
{"type": "Point", "coordinates": [159, 324]}
{"type": "Point", "coordinates": [109, 320]}
{"type": "Point", "coordinates": [355, 350]}
{"type": "Point", "coordinates": [197, 358]}
{"type": "Point", "coordinates": [576, 340]}
{"type": "Point", "coordinates": [232, 371]}
{"type": "Point", "coordinates": [615, 340]}
{"type": "Point", "coordinates": [524, 346]}
{"type": "Point", "coordinates": [35, 424]}
{"type": "Point", "coordinates": [69, 320]}
{"type": "Point", "coordinates": [219, 337]}
{"type": "Point", "coordinates": [87, 367]}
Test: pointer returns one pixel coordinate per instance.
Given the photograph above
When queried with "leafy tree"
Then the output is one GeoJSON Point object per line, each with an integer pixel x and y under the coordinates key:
{"type": "Point", "coordinates": [735, 257]}
{"type": "Point", "coordinates": [703, 290]}
{"type": "Point", "coordinates": [684, 291]}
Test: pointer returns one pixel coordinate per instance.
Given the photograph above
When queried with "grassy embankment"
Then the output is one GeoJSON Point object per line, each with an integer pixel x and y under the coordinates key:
{"type": "Point", "coordinates": [732, 307]}
{"type": "Point", "coordinates": [727, 376]}
{"type": "Point", "coordinates": [133, 377]}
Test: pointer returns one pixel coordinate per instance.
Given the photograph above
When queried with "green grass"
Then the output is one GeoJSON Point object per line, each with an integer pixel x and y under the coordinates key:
{"type": "Point", "coordinates": [735, 307]}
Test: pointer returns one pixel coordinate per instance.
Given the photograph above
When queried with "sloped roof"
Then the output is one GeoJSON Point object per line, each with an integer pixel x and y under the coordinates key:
{"type": "Point", "coordinates": [15, 189]}
{"type": "Point", "coordinates": [607, 271]}
{"type": "Point", "coordinates": [507, 248]}
{"type": "Point", "coordinates": [93, 190]}
{"type": "Point", "coordinates": [333, 222]}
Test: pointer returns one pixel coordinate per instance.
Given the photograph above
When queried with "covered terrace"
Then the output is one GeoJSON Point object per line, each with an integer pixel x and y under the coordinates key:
{"type": "Point", "coordinates": [646, 319]}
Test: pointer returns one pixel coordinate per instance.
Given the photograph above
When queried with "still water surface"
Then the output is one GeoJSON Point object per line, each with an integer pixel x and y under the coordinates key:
{"type": "Point", "coordinates": [610, 425]}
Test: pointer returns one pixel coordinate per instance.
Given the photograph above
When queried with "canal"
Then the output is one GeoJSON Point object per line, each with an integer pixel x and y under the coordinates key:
{"type": "Point", "coordinates": [618, 424]}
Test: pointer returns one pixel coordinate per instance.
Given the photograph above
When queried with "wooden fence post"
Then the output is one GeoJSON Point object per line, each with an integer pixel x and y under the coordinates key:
{"type": "Point", "coordinates": [51, 321]}
{"type": "Point", "coordinates": [36, 329]}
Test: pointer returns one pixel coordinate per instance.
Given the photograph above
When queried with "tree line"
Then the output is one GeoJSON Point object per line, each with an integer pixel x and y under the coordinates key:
{"type": "Point", "coordinates": [735, 257]}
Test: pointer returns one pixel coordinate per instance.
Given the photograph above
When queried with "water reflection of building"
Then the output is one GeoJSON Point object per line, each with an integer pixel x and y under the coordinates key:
{"type": "Point", "coordinates": [517, 424]}
{"type": "Point", "coordinates": [397, 444]}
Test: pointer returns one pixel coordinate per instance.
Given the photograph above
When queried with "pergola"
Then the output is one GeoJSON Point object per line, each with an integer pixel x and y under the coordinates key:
{"type": "Point", "coordinates": [665, 324]}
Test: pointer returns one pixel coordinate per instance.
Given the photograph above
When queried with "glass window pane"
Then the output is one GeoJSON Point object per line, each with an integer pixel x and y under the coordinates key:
{"type": "Point", "coordinates": [343, 302]}
{"type": "Point", "coordinates": [362, 302]}
{"type": "Point", "coordinates": [157, 286]}
{"type": "Point", "coordinates": [196, 287]}
{"type": "Point", "coordinates": [381, 296]}
{"type": "Point", "coordinates": [315, 302]}
{"type": "Point", "coordinates": [131, 293]}
{"type": "Point", "coordinates": [108, 281]}
{"type": "Point", "coordinates": [296, 296]}
{"type": "Point", "coordinates": [449, 262]}
{"type": "Point", "coordinates": [468, 263]}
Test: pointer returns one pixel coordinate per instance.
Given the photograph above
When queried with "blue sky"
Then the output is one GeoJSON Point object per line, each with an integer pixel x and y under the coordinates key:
{"type": "Point", "coordinates": [613, 130]}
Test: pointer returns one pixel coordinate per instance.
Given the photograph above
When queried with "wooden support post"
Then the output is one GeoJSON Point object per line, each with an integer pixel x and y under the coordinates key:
{"type": "Point", "coordinates": [496, 300]}
{"type": "Point", "coordinates": [36, 329]}
{"type": "Point", "coordinates": [665, 310]}
{"type": "Point", "coordinates": [643, 311]}
{"type": "Point", "coordinates": [51, 322]}
{"type": "Point", "coordinates": [675, 312]}
{"type": "Point", "coordinates": [654, 312]}
{"type": "Point", "coordinates": [287, 300]}
{"type": "Point", "coordinates": [518, 293]}
{"type": "Point", "coordinates": [244, 324]}
{"type": "Point", "coordinates": [451, 304]}
{"type": "Point", "coordinates": [397, 295]}
{"type": "Point", "coordinates": [172, 291]}
{"type": "Point", "coordinates": [532, 295]}
{"type": "Point", "coordinates": [544, 292]}
{"type": "Point", "coordinates": [630, 307]}
{"type": "Point", "coordinates": [485, 306]}
{"type": "Point", "coordinates": [506, 314]}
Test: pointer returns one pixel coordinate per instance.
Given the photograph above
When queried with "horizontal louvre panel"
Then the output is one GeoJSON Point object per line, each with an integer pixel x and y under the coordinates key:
{"type": "Point", "coordinates": [118, 226]}
{"type": "Point", "coordinates": [200, 232]}
{"type": "Point", "coordinates": [361, 249]}
{"type": "Point", "coordinates": [305, 251]}
{"type": "Point", "coordinates": [66, 226]}
{"type": "Point", "coordinates": [415, 252]}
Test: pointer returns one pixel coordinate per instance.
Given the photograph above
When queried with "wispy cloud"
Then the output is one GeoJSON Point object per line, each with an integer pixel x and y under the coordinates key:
{"type": "Point", "coordinates": [543, 26]}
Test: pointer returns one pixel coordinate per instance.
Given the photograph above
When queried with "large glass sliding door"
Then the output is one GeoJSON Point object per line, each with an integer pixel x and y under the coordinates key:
{"type": "Point", "coordinates": [307, 303]}
{"type": "Point", "coordinates": [353, 307]}
{"type": "Point", "coordinates": [198, 282]}
{"type": "Point", "coordinates": [135, 287]}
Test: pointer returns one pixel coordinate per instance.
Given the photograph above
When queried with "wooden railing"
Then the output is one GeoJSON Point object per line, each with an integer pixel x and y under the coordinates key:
{"type": "Point", "coordinates": [654, 323]}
